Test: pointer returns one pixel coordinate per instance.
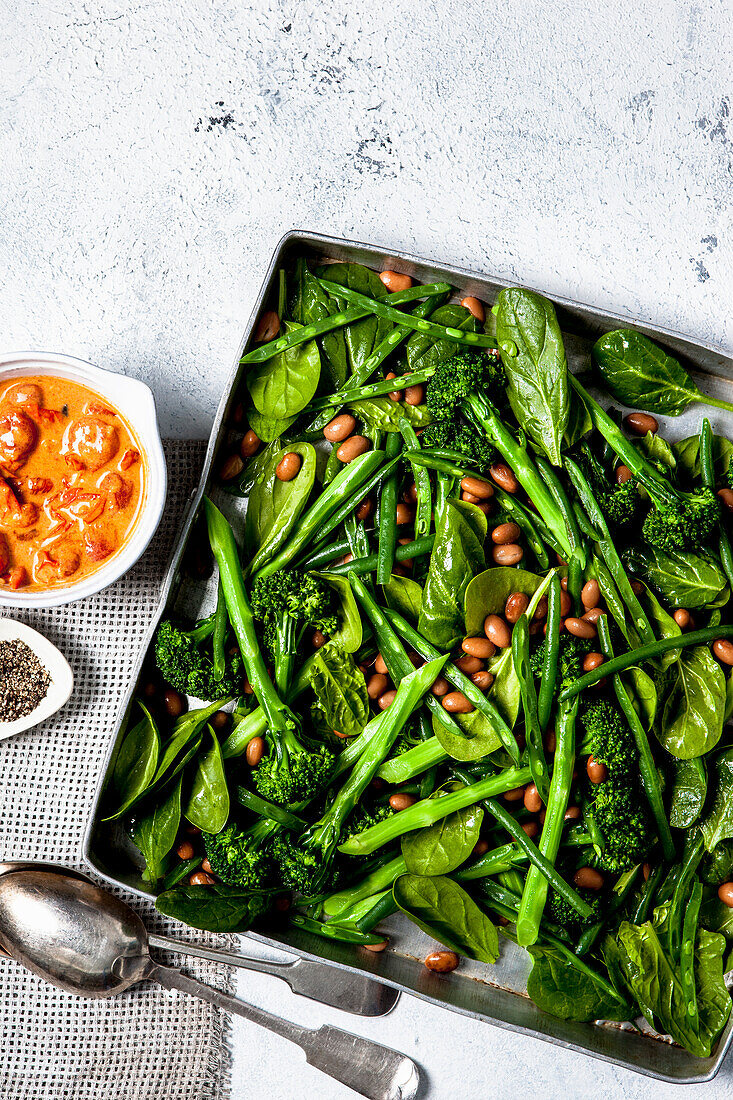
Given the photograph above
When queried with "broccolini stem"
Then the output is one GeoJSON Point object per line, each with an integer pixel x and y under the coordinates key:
{"type": "Point", "coordinates": [707, 469]}
{"type": "Point", "coordinates": [534, 894]}
{"type": "Point", "coordinates": [334, 931]}
{"type": "Point", "coordinates": [325, 833]}
{"type": "Point", "coordinates": [647, 767]}
{"type": "Point", "coordinates": [374, 883]}
{"type": "Point", "coordinates": [221, 625]}
{"type": "Point", "coordinates": [337, 320]}
{"type": "Point", "coordinates": [413, 762]}
{"type": "Point", "coordinates": [498, 859]}
{"type": "Point", "coordinates": [224, 548]}
{"type": "Point", "coordinates": [454, 676]}
{"type": "Point", "coordinates": [522, 465]}
{"type": "Point", "coordinates": [608, 550]}
{"type": "Point", "coordinates": [379, 308]}
{"type": "Point", "coordinates": [648, 895]}
{"type": "Point", "coordinates": [383, 908]}
{"type": "Point", "coordinates": [431, 810]}
{"type": "Point", "coordinates": [552, 650]}
{"type": "Point", "coordinates": [387, 514]}
{"type": "Point", "coordinates": [646, 653]}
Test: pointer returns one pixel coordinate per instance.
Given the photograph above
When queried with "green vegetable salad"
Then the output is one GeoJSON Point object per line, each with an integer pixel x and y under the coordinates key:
{"type": "Point", "coordinates": [470, 656]}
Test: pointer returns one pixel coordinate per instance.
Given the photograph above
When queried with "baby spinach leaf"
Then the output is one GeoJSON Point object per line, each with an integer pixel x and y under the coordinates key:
{"type": "Point", "coordinates": [717, 867]}
{"type": "Point", "coordinates": [340, 690]}
{"type": "Point", "coordinates": [692, 717]}
{"type": "Point", "coordinates": [274, 506]}
{"type": "Point", "coordinates": [422, 351]}
{"type": "Point", "coordinates": [717, 917]}
{"type": "Point", "coordinates": [639, 374]}
{"type": "Point", "coordinates": [268, 428]}
{"type": "Point", "coordinates": [135, 765]}
{"type": "Point", "coordinates": [488, 592]}
{"type": "Point", "coordinates": [362, 336]}
{"type": "Point", "coordinates": [689, 787]}
{"type": "Point", "coordinates": [444, 846]}
{"type": "Point", "coordinates": [580, 422]}
{"type": "Point", "coordinates": [283, 386]}
{"type": "Point", "coordinates": [479, 736]}
{"type": "Point", "coordinates": [155, 831]}
{"type": "Point", "coordinates": [718, 823]}
{"type": "Point", "coordinates": [216, 908]}
{"type": "Point", "coordinates": [558, 987]}
{"type": "Point", "coordinates": [506, 691]}
{"type": "Point", "coordinates": [404, 595]}
{"type": "Point", "coordinates": [662, 623]}
{"type": "Point", "coordinates": [207, 805]}
{"type": "Point", "coordinates": [183, 742]}
{"type": "Point", "coordinates": [443, 909]}
{"type": "Point", "coordinates": [656, 448]}
{"type": "Point", "coordinates": [642, 691]}
{"type": "Point", "coordinates": [533, 355]}
{"type": "Point", "coordinates": [656, 987]}
{"type": "Point", "coordinates": [682, 578]}
{"type": "Point", "coordinates": [687, 452]}
{"type": "Point", "coordinates": [310, 303]}
{"type": "Point", "coordinates": [349, 633]}
{"type": "Point", "coordinates": [457, 556]}
{"type": "Point", "coordinates": [383, 414]}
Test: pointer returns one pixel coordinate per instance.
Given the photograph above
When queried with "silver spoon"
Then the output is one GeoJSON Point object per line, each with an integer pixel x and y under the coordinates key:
{"type": "Point", "coordinates": [85, 940]}
{"type": "Point", "coordinates": [355, 993]}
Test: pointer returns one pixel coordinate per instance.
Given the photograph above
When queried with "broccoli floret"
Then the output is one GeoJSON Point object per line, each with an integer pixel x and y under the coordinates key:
{"type": "Point", "coordinates": [620, 504]}
{"type": "Point", "coordinates": [560, 912]}
{"type": "Point", "coordinates": [295, 595]}
{"type": "Point", "coordinates": [464, 439]}
{"type": "Point", "coordinates": [241, 857]}
{"type": "Point", "coordinates": [621, 816]}
{"type": "Point", "coordinates": [457, 377]}
{"type": "Point", "coordinates": [184, 660]}
{"type": "Point", "coordinates": [608, 738]}
{"type": "Point", "coordinates": [292, 772]}
{"type": "Point", "coordinates": [572, 650]}
{"type": "Point", "coordinates": [298, 869]}
{"type": "Point", "coordinates": [685, 523]}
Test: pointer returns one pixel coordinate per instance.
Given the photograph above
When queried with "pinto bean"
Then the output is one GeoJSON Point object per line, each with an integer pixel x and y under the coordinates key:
{"type": "Point", "coordinates": [386, 700]}
{"type": "Point", "coordinates": [478, 647]}
{"type": "Point", "coordinates": [723, 650]}
{"type": "Point", "coordinates": [250, 444]}
{"type": "Point", "coordinates": [455, 702]}
{"type": "Point", "coordinates": [230, 468]}
{"type": "Point", "coordinates": [340, 428]}
{"type": "Point", "coordinates": [623, 474]}
{"type": "Point", "coordinates": [504, 533]}
{"type": "Point", "coordinates": [484, 490]}
{"type": "Point", "coordinates": [590, 594]}
{"type": "Point", "coordinates": [482, 679]}
{"type": "Point", "coordinates": [497, 631]}
{"type": "Point", "coordinates": [404, 514]}
{"type": "Point", "coordinates": [508, 554]}
{"type": "Point", "coordinates": [474, 307]}
{"type": "Point", "coordinates": [376, 685]}
{"type": "Point", "coordinates": [414, 395]}
{"type": "Point", "coordinates": [395, 281]}
{"type": "Point", "coordinates": [440, 687]}
{"type": "Point", "coordinates": [725, 893]}
{"type": "Point", "coordinates": [352, 447]}
{"type": "Point", "coordinates": [504, 477]}
{"type": "Point", "coordinates": [515, 607]}
{"type": "Point", "coordinates": [200, 878]}
{"type": "Point", "coordinates": [174, 703]}
{"type": "Point", "coordinates": [580, 628]}
{"type": "Point", "coordinates": [640, 423]}
{"type": "Point", "coordinates": [255, 751]}
{"type": "Point", "coordinates": [442, 962]}
{"type": "Point", "coordinates": [288, 467]}
{"type": "Point", "coordinates": [268, 327]}
{"type": "Point", "coordinates": [597, 772]}
{"type": "Point", "coordinates": [532, 800]}
{"type": "Point", "coordinates": [726, 496]}
{"type": "Point", "coordinates": [402, 801]}
{"type": "Point", "coordinates": [469, 664]}
{"type": "Point", "coordinates": [592, 660]}
{"type": "Point", "coordinates": [682, 617]}
{"type": "Point", "coordinates": [587, 878]}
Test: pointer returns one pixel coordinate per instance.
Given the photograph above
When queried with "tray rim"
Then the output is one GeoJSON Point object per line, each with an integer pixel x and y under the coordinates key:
{"type": "Point", "coordinates": [456, 275]}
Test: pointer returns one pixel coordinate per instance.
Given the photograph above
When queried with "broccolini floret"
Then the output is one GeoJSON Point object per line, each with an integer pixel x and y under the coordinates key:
{"type": "Point", "coordinates": [241, 857]}
{"type": "Point", "coordinates": [303, 598]}
{"type": "Point", "coordinates": [620, 504]}
{"type": "Point", "coordinates": [608, 738]}
{"type": "Point", "coordinates": [687, 522]}
{"type": "Point", "coordinates": [562, 913]}
{"type": "Point", "coordinates": [621, 816]}
{"type": "Point", "coordinates": [184, 659]}
{"type": "Point", "coordinates": [455, 378]}
{"type": "Point", "coordinates": [571, 652]}
{"type": "Point", "coordinates": [451, 435]}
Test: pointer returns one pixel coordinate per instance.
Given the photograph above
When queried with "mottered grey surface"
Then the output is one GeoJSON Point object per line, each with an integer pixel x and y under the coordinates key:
{"type": "Point", "coordinates": [154, 152]}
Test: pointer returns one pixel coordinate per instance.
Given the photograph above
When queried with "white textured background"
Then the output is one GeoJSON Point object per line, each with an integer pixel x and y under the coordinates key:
{"type": "Point", "coordinates": [152, 153]}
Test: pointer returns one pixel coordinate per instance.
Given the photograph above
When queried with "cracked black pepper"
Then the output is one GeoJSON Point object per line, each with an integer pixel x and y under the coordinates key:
{"type": "Point", "coordinates": [24, 681]}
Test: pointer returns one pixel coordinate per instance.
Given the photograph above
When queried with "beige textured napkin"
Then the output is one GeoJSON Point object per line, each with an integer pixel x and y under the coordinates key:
{"type": "Point", "coordinates": [148, 1044]}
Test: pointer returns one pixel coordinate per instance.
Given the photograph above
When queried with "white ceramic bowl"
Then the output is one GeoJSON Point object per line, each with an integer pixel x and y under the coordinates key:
{"type": "Point", "coordinates": [62, 678]}
{"type": "Point", "coordinates": [135, 401]}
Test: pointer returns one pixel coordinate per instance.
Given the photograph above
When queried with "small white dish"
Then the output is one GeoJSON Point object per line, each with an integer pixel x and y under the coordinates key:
{"type": "Point", "coordinates": [62, 678]}
{"type": "Point", "coordinates": [136, 403]}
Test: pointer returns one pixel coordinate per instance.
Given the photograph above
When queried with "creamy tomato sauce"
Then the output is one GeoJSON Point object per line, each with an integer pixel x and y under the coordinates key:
{"type": "Point", "coordinates": [71, 482]}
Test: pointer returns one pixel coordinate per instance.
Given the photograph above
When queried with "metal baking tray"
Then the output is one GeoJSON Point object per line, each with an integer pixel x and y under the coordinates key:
{"type": "Point", "coordinates": [495, 994]}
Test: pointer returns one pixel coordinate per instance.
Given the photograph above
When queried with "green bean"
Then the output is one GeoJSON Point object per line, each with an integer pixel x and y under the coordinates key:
{"type": "Point", "coordinates": [533, 733]}
{"type": "Point", "coordinates": [577, 552]}
{"type": "Point", "coordinates": [430, 810]}
{"type": "Point", "coordinates": [417, 549]}
{"type": "Point", "coordinates": [374, 389]}
{"type": "Point", "coordinates": [530, 849]}
{"type": "Point", "coordinates": [321, 558]}
{"type": "Point", "coordinates": [343, 510]}
{"type": "Point", "coordinates": [725, 551]}
{"type": "Point", "coordinates": [691, 861]}
{"type": "Point", "coordinates": [180, 870]}
{"type": "Point", "coordinates": [647, 767]}
{"type": "Point", "coordinates": [337, 320]}
{"type": "Point", "coordinates": [413, 762]}
{"type": "Point", "coordinates": [364, 372]}
{"type": "Point", "coordinates": [221, 625]}
{"type": "Point", "coordinates": [646, 901]}
{"type": "Point", "coordinates": [388, 514]}
{"type": "Point", "coordinates": [380, 879]}
{"type": "Point", "coordinates": [687, 952]}
{"type": "Point", "coordinates": [319, 519]}
{"type": "Point", "coordinates": [393, 652]}
{"type": "Point", "coordinates": [333, 931]}
{"type": "Point", "coordinates": [498, 859]}
{"type": "Point", "coordinates": [534, 894]}
{"type": "Point", "coordinates": [388, 313]}
{"type": "Point", "coordinates": [454, 676]}
{"type": "Point", "coordinates": [609, 552]}
{"type": "Point", "coordinates": [645, 653]}
{"type": "Point", "coordinates": [424, 512]}
{"type": "Point", "coordinates": [552, 650]}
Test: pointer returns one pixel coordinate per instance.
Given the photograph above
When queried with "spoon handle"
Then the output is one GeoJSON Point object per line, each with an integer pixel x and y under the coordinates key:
{"type": "Point", "coordinates": [374, 1071]}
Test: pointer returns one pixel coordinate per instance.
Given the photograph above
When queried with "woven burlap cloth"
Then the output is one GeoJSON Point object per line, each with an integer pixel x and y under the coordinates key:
{"type": "Point", "coordinates": [148, 1044]}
